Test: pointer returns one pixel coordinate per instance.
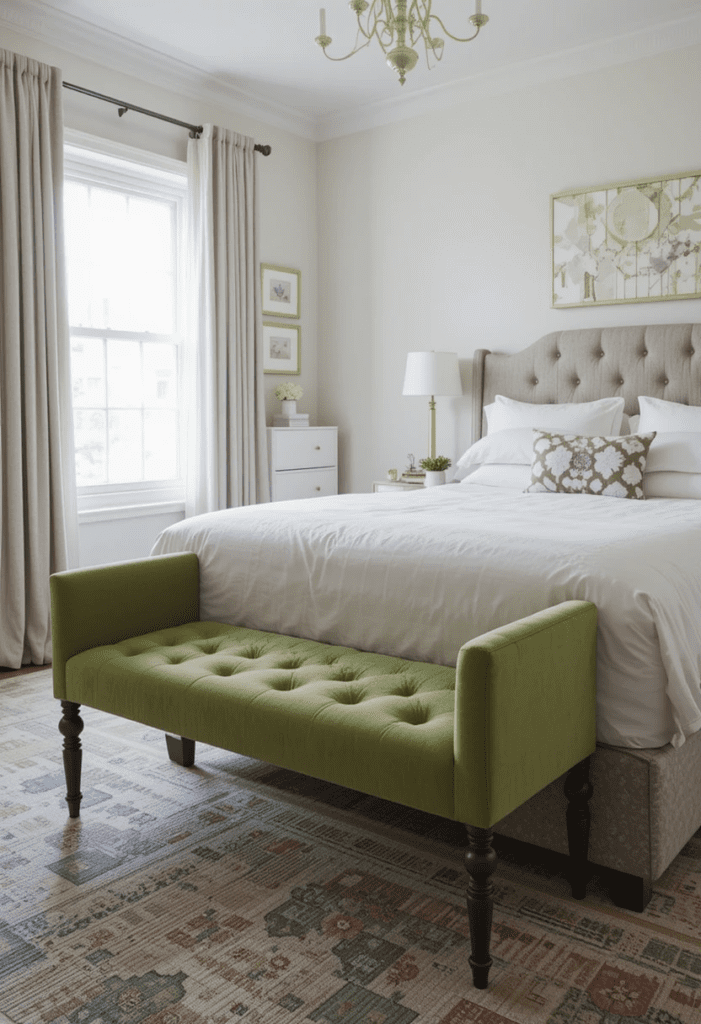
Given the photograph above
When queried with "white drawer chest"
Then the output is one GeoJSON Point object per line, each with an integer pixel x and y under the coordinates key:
{"type": "Point", "coordinates": [303, 462]}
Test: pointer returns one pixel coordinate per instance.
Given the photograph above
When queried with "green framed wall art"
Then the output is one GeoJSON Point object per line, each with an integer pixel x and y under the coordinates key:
{"type": "Point", "coordinates": [280, 289]}
{"type": "Point", "coordinates": [282, 348]}
{"type": "Point", "coordinates": [634, 241]}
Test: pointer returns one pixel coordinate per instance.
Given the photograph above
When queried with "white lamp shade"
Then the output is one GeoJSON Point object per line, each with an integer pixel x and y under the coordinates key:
{"type": "Point", "coordinates": [432, 373]}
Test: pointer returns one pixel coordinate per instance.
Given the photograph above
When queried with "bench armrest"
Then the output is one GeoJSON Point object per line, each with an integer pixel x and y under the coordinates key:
{"type": "Point", "coordinates": [109, 603]}
{"type": "Point", "coordinates": [525, 709]}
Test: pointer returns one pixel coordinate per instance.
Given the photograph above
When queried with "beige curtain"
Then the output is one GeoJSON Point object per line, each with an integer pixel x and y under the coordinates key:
{"type": "Point", "coordinates": [227, 455]}
{"type": "Point", "coordinates": [38, 526]}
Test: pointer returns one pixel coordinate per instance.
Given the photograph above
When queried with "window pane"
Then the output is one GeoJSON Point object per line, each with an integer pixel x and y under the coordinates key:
{"type": "Point", "coordinates": [126, 447]}
{"type": "Point", "coordinates": [152, 281]}
{"type": "Point", "coordinates": [160, 444]}
{"type": "Point", "coordinates": [109, 256]}
{"type": "Point", "coordinates": [90, 446]}
{"type": "Point", "coordinates": [160, 375]}
{"type": "Point", "coordinates": [120, 251]}
{"type": "Point", "coordinates": [124, 374]}
{"type": "Point", "coordinates": [88, 372]}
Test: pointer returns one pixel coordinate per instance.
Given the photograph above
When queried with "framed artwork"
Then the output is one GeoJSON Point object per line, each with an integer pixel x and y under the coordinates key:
{"type": "Point", "coordinates": [281, 348]}
{"type": "Point", "coordinates": [280, 291]}
{"type": "Point", "coordinates": [635, 241]}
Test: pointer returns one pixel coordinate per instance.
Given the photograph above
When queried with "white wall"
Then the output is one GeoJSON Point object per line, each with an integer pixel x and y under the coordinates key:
{"type": "Point", "coordinates": [287, 217]}
{"type": "Point", "coordinates": [435, 233]}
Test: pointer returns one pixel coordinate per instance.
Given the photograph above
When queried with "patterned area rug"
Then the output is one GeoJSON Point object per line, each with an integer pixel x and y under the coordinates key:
{"type": "Point", "coordinates": [235, 891]}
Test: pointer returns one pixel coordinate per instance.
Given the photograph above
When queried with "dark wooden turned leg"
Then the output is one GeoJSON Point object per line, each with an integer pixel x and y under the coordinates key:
{"type": "Point", "coordinates": [578, 791]}
{"type": "Point", "coordinates": [70, 727]}
{"type": "Point", "coordinates": [480, 861]}
{"type": "Point", "coordinates": [181, 750]}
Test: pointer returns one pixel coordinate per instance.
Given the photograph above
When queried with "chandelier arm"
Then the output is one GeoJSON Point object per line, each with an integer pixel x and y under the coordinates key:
{"type": "Point", "coordinates": [380, 27]}
{"type": "Point", "coordinates": [368, 33]}
{"type": "Point", "coordinates": [416, 32]}
{"type": "Point", "coordinates": [458, 39]}
{"type": "Point", "coordinates": [368, 39]}
{"type": "Point", "coordinates": [387, 24]}
{"type": "Point", "coordinates": [386, 30]}
{"type": "Point", "coordinates": [438, 56]}
{"type": "Point", "coordinates": [384, 46]}
{"type": "Point", "coordinates": [351, 54]}
{"type": "Point", "coordinates": [418, 25]}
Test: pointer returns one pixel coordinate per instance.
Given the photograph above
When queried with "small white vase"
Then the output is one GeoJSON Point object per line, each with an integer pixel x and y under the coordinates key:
{"type": "Point", "coordinates": [434, 477]}
{"type": "Point", "coordinates": [289, 407]}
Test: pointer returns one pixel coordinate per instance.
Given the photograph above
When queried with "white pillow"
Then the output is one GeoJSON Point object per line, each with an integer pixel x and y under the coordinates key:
{"type": "Point", "coordinates": [675, 452]}
{"type": "Point", "coordinates": [656, 414]}
{"type": "Point", "coordinates": [601, 417]}
{"type": "Point", "coordinates": [516, 478]}
{"type": "Point", "coordinates": [633, 425]}
{"type": "Point", "coordinates": [672, 485]}
{"type": "Point", "coordinates": [506, 446]}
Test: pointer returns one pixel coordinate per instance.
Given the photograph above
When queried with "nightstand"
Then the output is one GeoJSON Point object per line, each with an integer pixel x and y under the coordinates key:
{"type": "Point", "coordinates": [394, 485]}
{"type": "Point", "coordinates": [303, 462]}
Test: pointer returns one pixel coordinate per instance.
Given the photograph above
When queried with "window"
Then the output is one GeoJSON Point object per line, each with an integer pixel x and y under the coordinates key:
{"type": "Point", "coordinates": [124, 242]}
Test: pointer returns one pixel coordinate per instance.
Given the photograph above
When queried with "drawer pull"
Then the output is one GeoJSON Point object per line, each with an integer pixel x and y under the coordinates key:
{"type": "Point", "coordinates": [318, 488]}
{"type": "Point", "coordinates": [317, 448]}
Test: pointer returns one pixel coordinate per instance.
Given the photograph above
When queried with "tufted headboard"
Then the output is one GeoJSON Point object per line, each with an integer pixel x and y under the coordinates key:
{"type": "Point", "coordinates": [579, 366]}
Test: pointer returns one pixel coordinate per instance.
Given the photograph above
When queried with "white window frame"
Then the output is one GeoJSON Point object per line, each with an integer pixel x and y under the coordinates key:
{"type": "Point", "coordinates": [92, 160]}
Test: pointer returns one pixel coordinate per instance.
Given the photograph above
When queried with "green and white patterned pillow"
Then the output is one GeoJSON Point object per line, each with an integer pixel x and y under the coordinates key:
{"type": "Point", "coordinates": [575, 464]}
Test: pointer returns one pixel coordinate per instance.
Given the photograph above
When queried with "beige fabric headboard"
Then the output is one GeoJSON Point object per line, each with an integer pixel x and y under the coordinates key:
{"type": "Point", "coordinates": [579, 366]}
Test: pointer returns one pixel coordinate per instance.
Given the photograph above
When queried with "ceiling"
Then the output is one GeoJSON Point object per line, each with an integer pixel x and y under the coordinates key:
{"type": "Point", "coordinates": [264, 50]}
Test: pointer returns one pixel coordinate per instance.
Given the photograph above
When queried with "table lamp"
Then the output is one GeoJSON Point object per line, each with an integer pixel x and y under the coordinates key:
{"type": "Point", "coordinates": [432, 373]}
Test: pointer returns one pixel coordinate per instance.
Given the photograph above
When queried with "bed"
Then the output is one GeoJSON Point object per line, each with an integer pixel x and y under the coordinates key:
{"type": "Point", "coordinates": [417, 574]}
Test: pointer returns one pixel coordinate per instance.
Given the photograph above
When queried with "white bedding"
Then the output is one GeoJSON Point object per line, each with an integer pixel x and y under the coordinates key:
{"type": "Point", "coordinates": [416, 574]}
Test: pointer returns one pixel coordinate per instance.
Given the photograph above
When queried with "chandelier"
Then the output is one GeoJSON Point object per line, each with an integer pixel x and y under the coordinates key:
{"type": "Point", "coordinates": [398, 30]}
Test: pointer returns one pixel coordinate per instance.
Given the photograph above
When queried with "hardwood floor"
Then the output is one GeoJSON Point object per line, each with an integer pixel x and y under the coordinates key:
{"type": "Point", "coordinates": [6, 673]}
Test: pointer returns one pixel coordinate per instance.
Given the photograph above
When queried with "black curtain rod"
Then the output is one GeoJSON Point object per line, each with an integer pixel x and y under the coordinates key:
{"type": "Point", "coordinates": [195, 129]}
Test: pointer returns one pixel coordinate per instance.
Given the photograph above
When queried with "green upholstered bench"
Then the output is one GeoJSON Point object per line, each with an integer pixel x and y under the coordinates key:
{"type": "Point", "coordinates": [470, 744]}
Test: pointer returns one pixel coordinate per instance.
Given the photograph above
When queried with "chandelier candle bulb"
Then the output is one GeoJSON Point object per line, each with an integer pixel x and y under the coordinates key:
{"type": "Point", "coordinates": [478, 6]}
{"type": "Point", "coordinates": [322, 21]}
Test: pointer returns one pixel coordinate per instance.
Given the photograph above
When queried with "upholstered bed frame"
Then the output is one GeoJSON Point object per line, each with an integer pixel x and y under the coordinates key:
{"type": "Point", "coordinates": [647, 802]}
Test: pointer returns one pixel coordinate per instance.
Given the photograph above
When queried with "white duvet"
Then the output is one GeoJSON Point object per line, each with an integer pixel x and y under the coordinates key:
{"type": "Point", "coordinates": [416, 574]}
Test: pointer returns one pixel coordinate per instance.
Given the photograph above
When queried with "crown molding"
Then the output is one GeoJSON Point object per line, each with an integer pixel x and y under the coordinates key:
{"type": "Point", "coordinates": [108, 49]}
{"type": "Point", "coordinates": [580, 60]}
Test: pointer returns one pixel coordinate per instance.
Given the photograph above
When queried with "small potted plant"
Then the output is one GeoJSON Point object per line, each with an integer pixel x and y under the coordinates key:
{"type": "Point", "coordinates": [435, 468]}
{"type": "Point", "coordinates": [288, 394]}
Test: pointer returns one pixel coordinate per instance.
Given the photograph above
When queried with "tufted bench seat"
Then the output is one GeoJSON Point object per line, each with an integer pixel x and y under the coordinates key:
{"type": "Point", "coordinates": [330, 712]}
{"type": "Point", "coordinates": [470, 744]}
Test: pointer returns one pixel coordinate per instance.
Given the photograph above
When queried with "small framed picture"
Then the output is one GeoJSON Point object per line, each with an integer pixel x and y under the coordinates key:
{"type": "Point", "coordinates": [281, 348]}
{"type": "Point", "coordinates": [280, 291]}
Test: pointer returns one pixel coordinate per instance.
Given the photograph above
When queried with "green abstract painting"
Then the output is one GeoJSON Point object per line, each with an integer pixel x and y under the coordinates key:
{"type": "Point", "coordinates": [636, 241]}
